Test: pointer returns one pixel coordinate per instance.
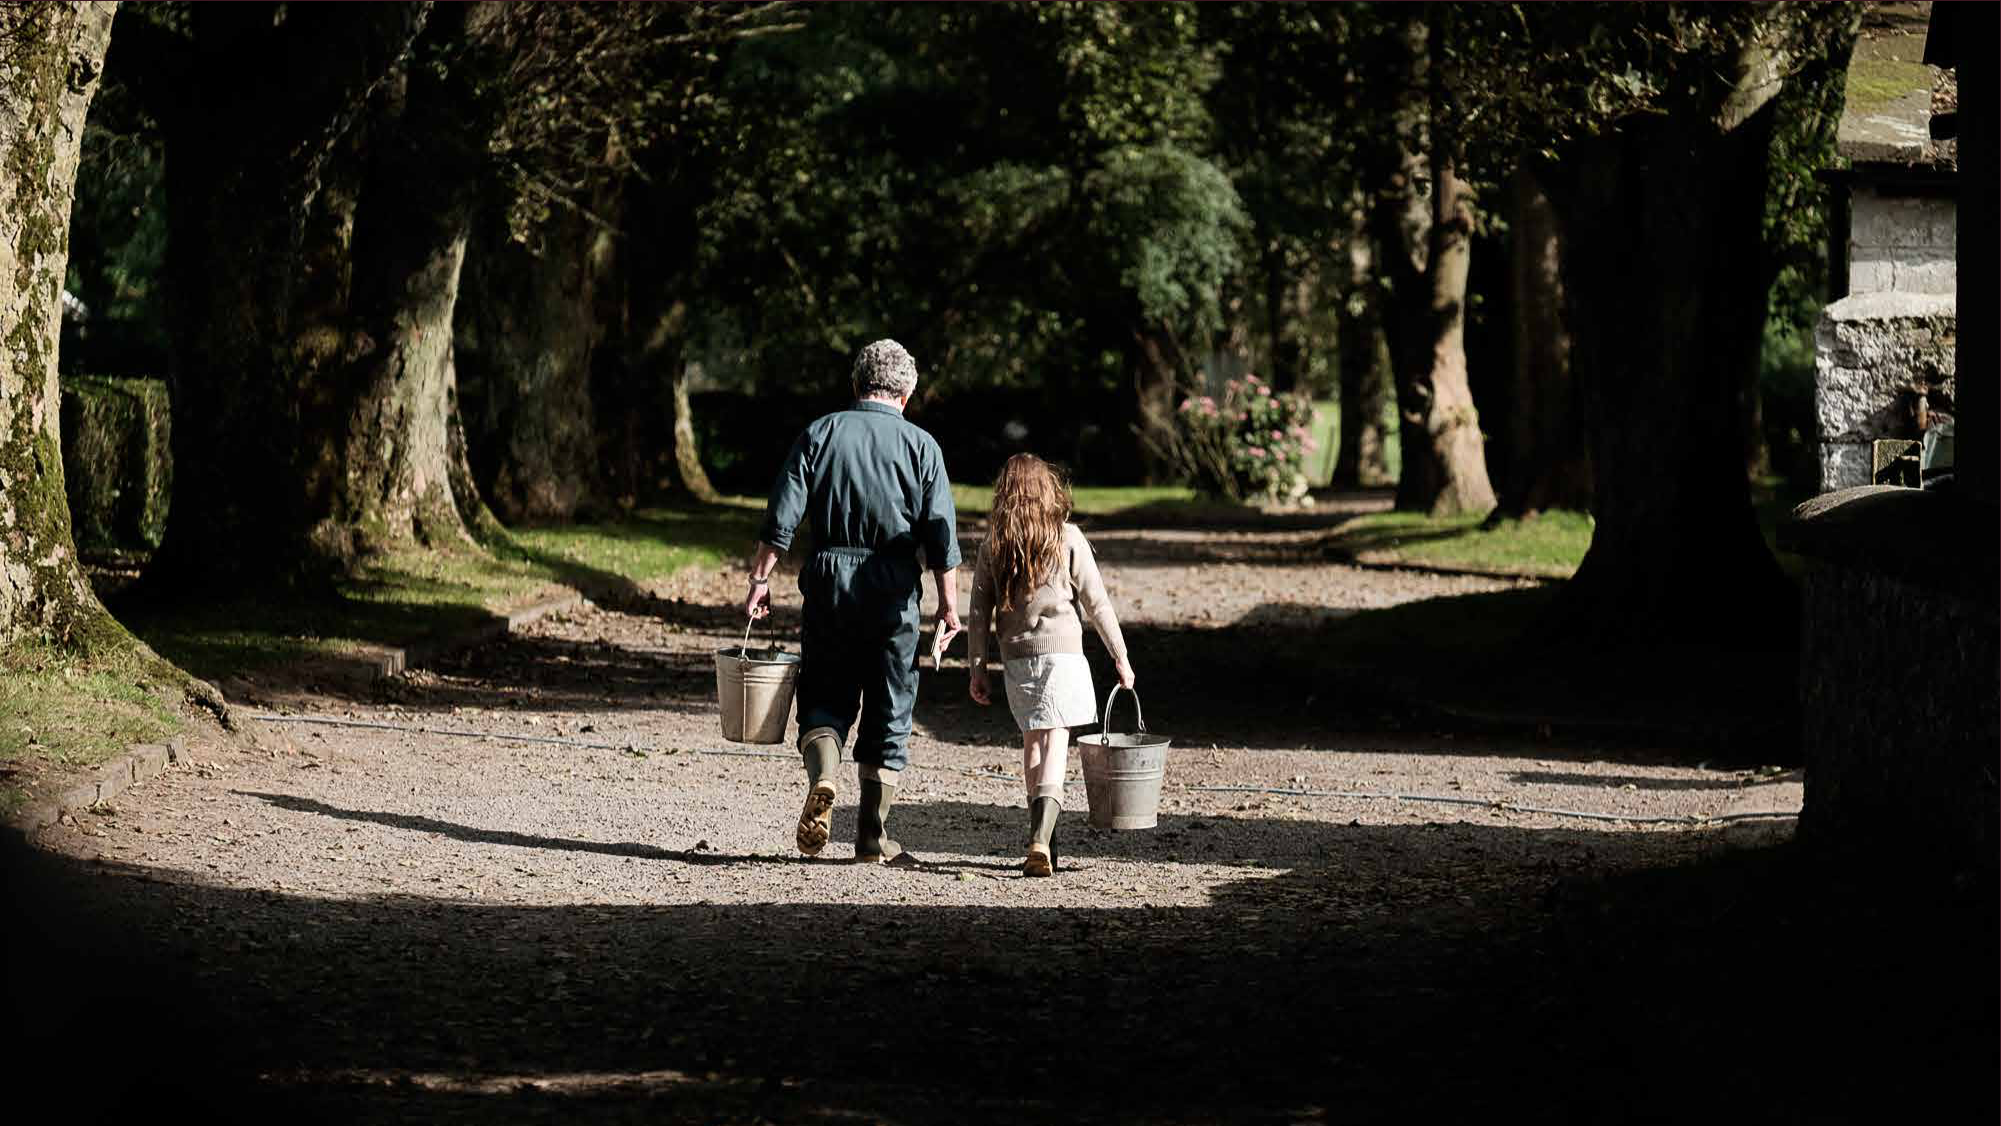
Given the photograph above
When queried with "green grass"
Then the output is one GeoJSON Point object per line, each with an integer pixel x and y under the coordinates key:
{"type": "Point", "coordinates": [651, 543]}
{"type": "Point", "coordinates": [60, 713]}
{"type": "Point", "coordinates": [406, 597]}
{"type": "Point", "coordinates": [1550, 545]}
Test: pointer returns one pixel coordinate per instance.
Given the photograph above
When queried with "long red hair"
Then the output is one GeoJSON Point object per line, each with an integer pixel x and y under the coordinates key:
{"type": "Point", "coordinates": [1031, 502]}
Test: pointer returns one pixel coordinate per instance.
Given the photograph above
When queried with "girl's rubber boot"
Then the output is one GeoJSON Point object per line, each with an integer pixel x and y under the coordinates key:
{"type": "Point", "coordinates": [821, 750]}
{"type": "Point", "coordinates": [1042, 815]}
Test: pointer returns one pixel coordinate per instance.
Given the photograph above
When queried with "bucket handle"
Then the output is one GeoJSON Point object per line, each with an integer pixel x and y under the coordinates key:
{"type": "Point", "coordinates": [743, 684]}
{"type": "Point", "coordinates": [1139, 717]}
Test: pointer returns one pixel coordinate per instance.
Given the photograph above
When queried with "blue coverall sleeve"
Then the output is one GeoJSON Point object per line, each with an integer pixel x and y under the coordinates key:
{"type": "Point", "coordinates": [787, 505]}
{"type": "Point", "coordinates": [938, 529]}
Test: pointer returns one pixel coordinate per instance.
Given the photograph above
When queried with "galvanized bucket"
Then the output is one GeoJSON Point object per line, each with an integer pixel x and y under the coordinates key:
{"type": "Point", "coordinates": [1122, 773]}
{"type": "Point", "coordinates": [754, 688]}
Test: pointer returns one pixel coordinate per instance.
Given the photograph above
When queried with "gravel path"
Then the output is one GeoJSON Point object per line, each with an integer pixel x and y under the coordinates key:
{"type": "Point", "coordinates": [381, 923]}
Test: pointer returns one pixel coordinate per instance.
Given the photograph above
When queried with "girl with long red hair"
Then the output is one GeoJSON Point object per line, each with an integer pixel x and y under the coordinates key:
{"type": "Point", "coordinates": [1034, 570]}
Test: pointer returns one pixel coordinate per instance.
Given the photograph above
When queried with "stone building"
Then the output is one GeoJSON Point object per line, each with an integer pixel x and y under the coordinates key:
{"type": "Point", "coordinates": [1884, 368]}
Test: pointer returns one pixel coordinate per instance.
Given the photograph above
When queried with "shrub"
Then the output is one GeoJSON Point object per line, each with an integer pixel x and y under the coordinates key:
{"type": "Point", "coordinates": [117, 461]}
{"type": "Point", "coordinates": [1250, 445]}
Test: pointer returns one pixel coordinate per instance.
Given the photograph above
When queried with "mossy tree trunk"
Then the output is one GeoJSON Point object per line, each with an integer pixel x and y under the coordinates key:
{"type": "Point", "coordinates": [264, 179]}
{"type": "Point", "coordinates": [379, 466]}
{"type": "Point", "coordinates": [529, 331]}
{"type": "Point", "coordinates": [1666, 315]}
{"type": "Point", "coordinates": [51, 56]}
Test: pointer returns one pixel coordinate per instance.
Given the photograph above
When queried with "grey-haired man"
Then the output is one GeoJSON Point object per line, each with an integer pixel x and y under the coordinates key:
{"type": "Point", "coordinates": [874, 489]}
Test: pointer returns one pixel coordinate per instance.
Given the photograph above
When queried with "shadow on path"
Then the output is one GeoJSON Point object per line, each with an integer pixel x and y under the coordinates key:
{"type": "Point", "coordinates": [471, 835]}
{"type": "Point", "coordinates": [1371, 974]}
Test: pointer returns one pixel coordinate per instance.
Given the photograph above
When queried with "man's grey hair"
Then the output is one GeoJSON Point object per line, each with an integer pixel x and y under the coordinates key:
{"type": "Point", "coordinates": [884, 368]}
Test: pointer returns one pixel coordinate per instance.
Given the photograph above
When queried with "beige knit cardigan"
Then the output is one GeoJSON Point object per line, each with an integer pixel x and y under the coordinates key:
{"type": "Point", "coordinates": [1048, 622]}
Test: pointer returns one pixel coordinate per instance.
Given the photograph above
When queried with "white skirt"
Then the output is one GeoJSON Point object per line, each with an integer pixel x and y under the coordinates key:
{"type": "Point", "coordinates": [1052, 690]}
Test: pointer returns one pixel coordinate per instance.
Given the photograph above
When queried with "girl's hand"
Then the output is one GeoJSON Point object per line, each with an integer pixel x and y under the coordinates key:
{"type": "Point", "coordinates": [1126, 677]}
{"type": "Point", "coordinates": [976, 687]}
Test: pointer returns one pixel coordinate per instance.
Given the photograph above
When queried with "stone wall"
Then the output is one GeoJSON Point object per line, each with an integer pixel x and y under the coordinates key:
{"type": "Point", "coordinates": [1901, 242]}
{"type": "Point", "coordinates": [1883, 365]}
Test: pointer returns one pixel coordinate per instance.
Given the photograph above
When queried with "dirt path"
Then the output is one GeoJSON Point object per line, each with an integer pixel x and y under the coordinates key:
{"type": "Point", "coordinates": [391, 923]}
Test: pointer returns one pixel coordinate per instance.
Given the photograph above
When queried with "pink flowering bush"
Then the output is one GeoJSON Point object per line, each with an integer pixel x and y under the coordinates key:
{"type": "Point", "coordinates": [1249, 445]}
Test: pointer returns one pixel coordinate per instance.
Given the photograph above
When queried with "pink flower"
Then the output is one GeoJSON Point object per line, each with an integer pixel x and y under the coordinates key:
{"type": "Point", "coordinates": [1263, 390]}
{"type": "Point", "coordinates": [1187, 405]}
{"type": "Point", "coordinates": [1310, 445]}
{"type": "Point", "coordinates": [1278, 436]}
{"type": "Point", "coordinates": [1251, 379]}
{"type": "Point", "coordinates": [1257, 452]}
{"type": "Point", "coordinates": [1299, 431]}
{"type": "Point", "coordinates": [1208, 408]}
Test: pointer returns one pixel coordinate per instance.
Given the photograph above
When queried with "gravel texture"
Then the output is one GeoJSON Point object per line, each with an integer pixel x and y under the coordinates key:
{"type": "Point", "coordinates": [363, 924]}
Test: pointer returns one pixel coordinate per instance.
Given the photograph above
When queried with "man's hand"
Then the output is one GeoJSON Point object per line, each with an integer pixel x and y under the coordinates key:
{"type": "Point", "coordinates": [947, 626]}
{"type": "Point", "coordinates": [976, 687]}
{"type": "Point", "coordinates": [1126, 677]}
{"type": "Point", "coordinates": [763, 559]}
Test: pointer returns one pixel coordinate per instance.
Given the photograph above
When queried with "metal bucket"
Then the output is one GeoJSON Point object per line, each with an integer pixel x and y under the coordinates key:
{"type": "Point", "coordinates": [754, 689]}
{"type": "Point", "coordinates": [1122, 773]}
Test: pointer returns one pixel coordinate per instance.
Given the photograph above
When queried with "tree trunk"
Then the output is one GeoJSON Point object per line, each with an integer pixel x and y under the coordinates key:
{"type": "Point", "coordinates": [48, 72]}
{"type": "Point", "coordinates": [527, 343]}
{"type": "Point", "coordinates": [1158, 368]}
{"type": "Point", "coordinates": [1451, 424]}
{"type": "Point", "coordinates": [1365, 384]}
{"type": "Point", "coordinates": [1425, 247]}
{"type": "Point", "coordinates": [1549, 464]}
{"type": "Point", "coordinates": [389, 480]}
{"type": "Point", "coordinates": [1401, 224]}
{"type": "Point", "coordinates": [262, 213]}
{"type": "Point", "coordinates": [377, 459]}
{"type": "Point", "coordinates": [1286, 306]}
{"type": "Point", "coordinates": [687, 456]}
{"type": "Point", "coordinates": [662, 218]}
{"type": "Point", "coordinates": [1666, 318]}
{"type": "Point", "coordinates": [478, 519]}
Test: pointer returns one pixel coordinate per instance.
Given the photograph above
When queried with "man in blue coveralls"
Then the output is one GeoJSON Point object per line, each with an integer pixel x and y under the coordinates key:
{"type": "Point", "coordinates": [874, 489]}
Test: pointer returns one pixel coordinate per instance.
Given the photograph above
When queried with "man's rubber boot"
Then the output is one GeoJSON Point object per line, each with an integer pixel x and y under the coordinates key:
{"type": "Point", "coordinates": [1042, 815]}
{"type": "Point", "coordinates": [821, 749]}
{"type": "Point", "coordinates": [872, 843]}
